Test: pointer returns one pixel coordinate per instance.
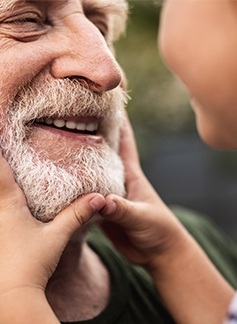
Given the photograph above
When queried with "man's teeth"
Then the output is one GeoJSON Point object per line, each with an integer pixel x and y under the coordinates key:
{"type": "Point", "coordinates": [70, 124]}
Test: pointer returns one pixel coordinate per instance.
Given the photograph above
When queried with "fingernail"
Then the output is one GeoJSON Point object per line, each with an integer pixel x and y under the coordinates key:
{"type": "Point", "coordinates": [97, 202]}
{"type": "Point", "coordinates": [111, 208]}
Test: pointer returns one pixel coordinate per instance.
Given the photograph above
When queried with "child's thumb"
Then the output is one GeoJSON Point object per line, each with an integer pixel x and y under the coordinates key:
{"type": "Point", "coordinates": [77, 214]}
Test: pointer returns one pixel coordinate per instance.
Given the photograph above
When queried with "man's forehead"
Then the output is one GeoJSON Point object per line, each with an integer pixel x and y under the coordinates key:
{"type": "Point", "coordinates": [9, 4]}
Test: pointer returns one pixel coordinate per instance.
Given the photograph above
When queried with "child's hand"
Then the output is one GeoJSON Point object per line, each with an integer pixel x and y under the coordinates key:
{"type": "Point", "coordinates": [144, 229]}
{"type": "Point", "coordinates": [141, 226]}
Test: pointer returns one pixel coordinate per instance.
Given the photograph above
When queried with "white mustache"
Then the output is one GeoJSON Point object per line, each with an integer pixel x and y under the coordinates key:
{"type": "Point", "coordinates": [62, 98]}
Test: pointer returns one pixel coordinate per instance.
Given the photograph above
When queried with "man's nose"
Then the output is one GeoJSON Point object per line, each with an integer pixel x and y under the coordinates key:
{"type": "Point", "coordinates": [84, 54]}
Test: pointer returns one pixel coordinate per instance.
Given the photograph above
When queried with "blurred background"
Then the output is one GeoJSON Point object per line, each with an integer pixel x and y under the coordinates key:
{"type": "Point", "coordinates": [182, 169]}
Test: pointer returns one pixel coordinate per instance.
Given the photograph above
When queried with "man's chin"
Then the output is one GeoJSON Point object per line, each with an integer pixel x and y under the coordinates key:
{"type": "Point", "coordinates": [49, 188]}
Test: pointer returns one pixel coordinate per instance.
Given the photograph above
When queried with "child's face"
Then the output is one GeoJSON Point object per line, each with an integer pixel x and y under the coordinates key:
{"type": "Point", "coordinates": [198, 39]}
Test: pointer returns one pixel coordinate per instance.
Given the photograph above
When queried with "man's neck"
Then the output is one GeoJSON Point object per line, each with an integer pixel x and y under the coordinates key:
{"type": "Point", "coordinates": [80, 287]}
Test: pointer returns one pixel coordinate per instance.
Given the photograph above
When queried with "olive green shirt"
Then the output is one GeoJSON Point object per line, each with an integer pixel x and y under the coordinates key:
{"type": "Point", "coordinates": [133, 298]}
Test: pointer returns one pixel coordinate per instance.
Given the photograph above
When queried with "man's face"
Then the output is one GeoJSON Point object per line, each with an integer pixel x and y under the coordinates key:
{"type": "Point", "coordinates": [198, 40]}
{"type": "Point", "coordinates": [60, 99]}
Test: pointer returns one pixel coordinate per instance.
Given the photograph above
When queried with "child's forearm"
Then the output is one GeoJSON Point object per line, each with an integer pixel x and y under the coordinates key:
{"type": "Point", "coordinates": [190, 285]}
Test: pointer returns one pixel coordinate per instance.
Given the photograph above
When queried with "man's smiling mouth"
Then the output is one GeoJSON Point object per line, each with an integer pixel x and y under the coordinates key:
{"type": "Point", "coordinates": [74, 125]}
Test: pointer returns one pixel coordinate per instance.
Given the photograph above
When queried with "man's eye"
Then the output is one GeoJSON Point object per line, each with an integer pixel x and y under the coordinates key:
{"type": "Point", "coordinates": [25, 27]}
{"type": "Point", "coordinates": [27, 19]}
{"type": "Point", "coordinates": [102, 30]}
{"type": "Point", "coordinates": [99, 22]}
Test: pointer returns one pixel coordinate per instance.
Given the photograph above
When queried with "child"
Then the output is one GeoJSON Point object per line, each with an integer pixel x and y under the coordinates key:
{"type": "Point", "coordinates": [198, 41]}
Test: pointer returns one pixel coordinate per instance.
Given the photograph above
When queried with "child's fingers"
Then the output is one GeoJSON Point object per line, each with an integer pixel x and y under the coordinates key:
{"type": "Point", "coordinates": [77, 214]}
{"type": "Point", "coordinates": [121, 211]}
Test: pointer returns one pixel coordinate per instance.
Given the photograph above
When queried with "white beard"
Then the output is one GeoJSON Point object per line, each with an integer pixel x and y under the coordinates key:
{"type": "Point", "coordinates": [49, 187]}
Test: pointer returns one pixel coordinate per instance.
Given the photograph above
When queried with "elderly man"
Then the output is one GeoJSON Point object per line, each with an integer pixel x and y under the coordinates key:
{"type": "Point", "coordinates": [61, 110]}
